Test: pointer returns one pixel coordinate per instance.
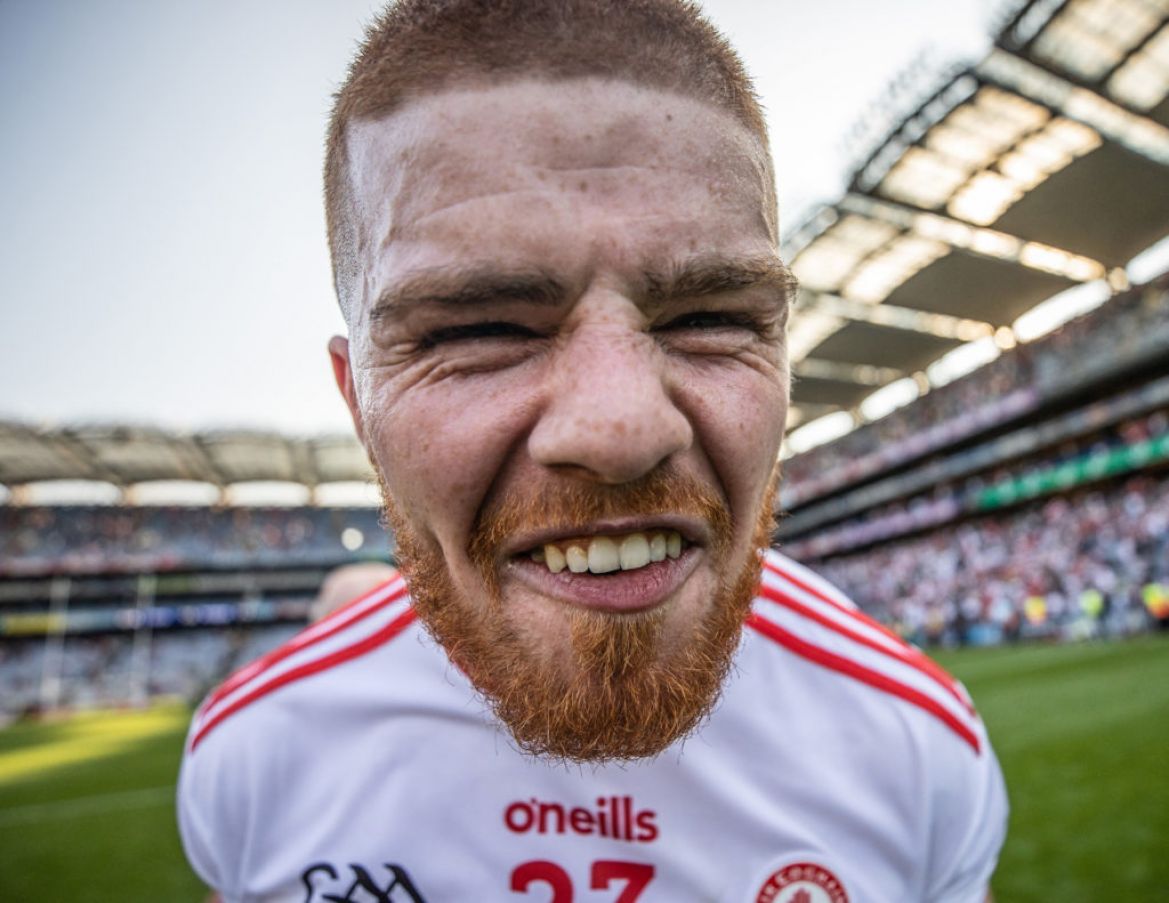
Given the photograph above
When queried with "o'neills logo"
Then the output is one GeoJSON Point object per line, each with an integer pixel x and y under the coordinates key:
{"type": "Point", "coordinates": [613, 816]}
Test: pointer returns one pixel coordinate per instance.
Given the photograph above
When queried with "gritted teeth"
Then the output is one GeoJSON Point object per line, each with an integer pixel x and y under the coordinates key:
{"type": "Point", "coordinates": [605, 554]}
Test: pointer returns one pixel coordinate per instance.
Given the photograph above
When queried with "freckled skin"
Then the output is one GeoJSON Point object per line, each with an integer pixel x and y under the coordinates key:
{"type": "Point", "coordinates": [584, 181]}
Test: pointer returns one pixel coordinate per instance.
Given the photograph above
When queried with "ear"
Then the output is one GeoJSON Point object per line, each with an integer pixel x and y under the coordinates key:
{"type": "Point", "coordinates": [343, 374]}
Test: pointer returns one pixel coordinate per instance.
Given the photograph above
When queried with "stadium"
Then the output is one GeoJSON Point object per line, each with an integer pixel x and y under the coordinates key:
{"type": "Point", "coordinates": [977, 453]}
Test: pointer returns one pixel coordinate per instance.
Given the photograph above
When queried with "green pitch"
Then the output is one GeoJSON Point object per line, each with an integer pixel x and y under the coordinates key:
{"type": "Point", "coordinates": [87, 809]}
{"type": "Point", "coordinates": [1082, 733]}
{"type": "Point", "coordinates": [87, 812]}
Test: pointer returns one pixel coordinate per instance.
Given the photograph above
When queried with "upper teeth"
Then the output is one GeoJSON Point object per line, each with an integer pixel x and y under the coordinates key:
{"type": "Point", "coordinates": [604, 554]}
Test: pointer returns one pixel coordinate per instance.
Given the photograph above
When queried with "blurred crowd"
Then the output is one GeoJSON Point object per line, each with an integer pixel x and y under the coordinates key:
{"type": "Point", "coordinates": [1089, 563]}
{"type": "Point", "coordinates": [1004, 389]}
{"type": "Point", "coordinates": [103, 671]}
{"type": "Point", "coordinates": [94, 539]}
{"type": "Point", "coordinates": [1128, 445]}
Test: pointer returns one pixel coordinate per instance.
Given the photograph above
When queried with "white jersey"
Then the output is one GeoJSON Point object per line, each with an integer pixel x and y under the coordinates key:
{"type": "Point", "coordinates": [356, 763]}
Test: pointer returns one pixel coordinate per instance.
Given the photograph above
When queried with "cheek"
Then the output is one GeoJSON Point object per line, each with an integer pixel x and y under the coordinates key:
{"type": "Point", "coordinates": [739, 423]}
{"type": "Point", "coordinates": [440, 449]}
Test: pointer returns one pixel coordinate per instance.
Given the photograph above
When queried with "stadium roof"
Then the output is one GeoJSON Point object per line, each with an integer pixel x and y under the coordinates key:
{"type": "Point", "coordinates": [1043, 167]}
{"type": "Point", "coordinates": [128, 455]}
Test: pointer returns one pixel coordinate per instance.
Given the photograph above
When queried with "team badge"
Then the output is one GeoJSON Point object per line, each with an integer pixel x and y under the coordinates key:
{"type": "Point", "coordinates": [802, 882]}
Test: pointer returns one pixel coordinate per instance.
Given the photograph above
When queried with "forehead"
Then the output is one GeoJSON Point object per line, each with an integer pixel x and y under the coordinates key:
{"type": "Point", "coordinates": [523, 167]}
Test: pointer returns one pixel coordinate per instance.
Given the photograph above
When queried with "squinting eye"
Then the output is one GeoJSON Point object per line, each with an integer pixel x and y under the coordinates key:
{"type": "Point", "coordinates": [712, 319]}
{"type": "Point", "coordinates": [489, 330]}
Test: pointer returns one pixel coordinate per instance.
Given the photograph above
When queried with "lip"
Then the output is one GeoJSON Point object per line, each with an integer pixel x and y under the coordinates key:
{"type": "Point", "coordinates": [620, 591]}
{"type": "Point", "coordinates": [694, 531]}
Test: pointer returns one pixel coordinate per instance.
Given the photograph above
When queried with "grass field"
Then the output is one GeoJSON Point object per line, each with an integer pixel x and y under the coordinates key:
{"type": "Point", "coordinates": [87, 812]}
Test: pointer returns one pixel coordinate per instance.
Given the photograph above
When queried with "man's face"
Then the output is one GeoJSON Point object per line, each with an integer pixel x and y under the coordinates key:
{"type": "Point", "coordinates": [567, 365]}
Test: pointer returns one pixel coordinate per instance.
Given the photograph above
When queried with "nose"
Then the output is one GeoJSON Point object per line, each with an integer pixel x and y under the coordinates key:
{"type": "Point", "coordinates": [608, 414]}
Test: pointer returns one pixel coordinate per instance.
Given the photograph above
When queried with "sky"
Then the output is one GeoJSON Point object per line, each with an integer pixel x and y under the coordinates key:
{"type": "Point", "coordinates": [162, 240]}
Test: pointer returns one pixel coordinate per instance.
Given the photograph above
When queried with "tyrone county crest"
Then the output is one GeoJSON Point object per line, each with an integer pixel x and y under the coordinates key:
{"type": "Point", "coordinates": [802, 882]}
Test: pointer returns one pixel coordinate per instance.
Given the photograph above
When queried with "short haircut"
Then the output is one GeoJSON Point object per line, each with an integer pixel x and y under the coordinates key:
{"type": "Point", "coordinates": [417, 48]}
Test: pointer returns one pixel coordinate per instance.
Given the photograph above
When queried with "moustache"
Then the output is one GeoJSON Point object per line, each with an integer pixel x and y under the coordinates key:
{"type": "Point", "coordinates": [566, 506]}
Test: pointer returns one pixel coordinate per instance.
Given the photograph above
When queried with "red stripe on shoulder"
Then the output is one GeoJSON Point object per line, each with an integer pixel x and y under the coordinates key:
{"type": "Point", "coordinates": [865, 675]}
{"type": "Point", "coordinates": [345, 616]}
{"type": "Point", "coordinates": [927, 664]}
{"type": "Point", "coordinates": [346, 653]}
{"type": "Point", "coordinates": [774, 563]}
{"type": "Point", "coordinates": [903, 652]}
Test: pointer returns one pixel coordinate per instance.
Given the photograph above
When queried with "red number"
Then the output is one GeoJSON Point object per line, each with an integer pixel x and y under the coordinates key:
{"type": "Point", "coordinates": [637, 876]}
{"type": "Point", "coordinates": [524, 876]}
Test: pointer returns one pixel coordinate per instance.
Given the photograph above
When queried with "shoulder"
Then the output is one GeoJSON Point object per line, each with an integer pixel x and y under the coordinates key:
{"type": "Point", "coordinates": [309, 661]}
{"type": "Point", "coordinates": [279, 714]}
{"type": "Point", "coordinates": [801, 617]}
{"type": "Point", "coordinates": [884, 713]}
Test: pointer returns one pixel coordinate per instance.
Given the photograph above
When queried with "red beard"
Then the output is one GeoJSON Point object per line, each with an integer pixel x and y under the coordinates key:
{"type": "Point", "coordinates": [621, 693]}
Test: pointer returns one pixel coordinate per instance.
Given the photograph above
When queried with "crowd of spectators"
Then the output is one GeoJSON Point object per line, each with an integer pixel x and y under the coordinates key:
{"type": "Point", "coordinates": [1006, 388]}
{"type": "Point", "coordinates": [1075, 565]}
{"type": "Point", "coordinates": [104, 671]}
{"type": "Point", "coordinates": [1051, 469]}
{"type": "Point", "coordinates": [1079, 564]}
{"type": "Point", "coordinates": [98, 539]}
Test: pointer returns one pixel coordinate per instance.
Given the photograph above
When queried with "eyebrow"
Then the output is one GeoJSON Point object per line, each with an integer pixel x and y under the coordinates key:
{"type": "Point", "coordinates": [713, 276]}
{"type": "Point", "coordinates": [467, 288]}
{"type": "Point", "coordinates": [444, 287]}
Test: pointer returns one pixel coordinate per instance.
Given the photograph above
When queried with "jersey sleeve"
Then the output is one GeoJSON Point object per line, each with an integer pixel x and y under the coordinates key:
{"type": "Point", "coordinates": [201, 826]}
{"type": "Point", "coordinates": [972, 825]}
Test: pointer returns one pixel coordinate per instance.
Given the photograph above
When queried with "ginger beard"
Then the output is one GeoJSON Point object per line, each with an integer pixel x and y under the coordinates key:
{"type": "Point", "coordinates": [621, 693]}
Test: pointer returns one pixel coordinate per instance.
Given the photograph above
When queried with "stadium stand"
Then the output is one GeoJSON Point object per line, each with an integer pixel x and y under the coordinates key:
{"type": "Point", "coordinates": [78, 539]}
{"type": "Point", "coordinates": [1076, 565]}
{"type": "Point", "coordinates": [959, 520]}
{"type": "Point", "coordinates": [1026, 499]}
{"type": "Point", "coordinates": [108, 605]}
